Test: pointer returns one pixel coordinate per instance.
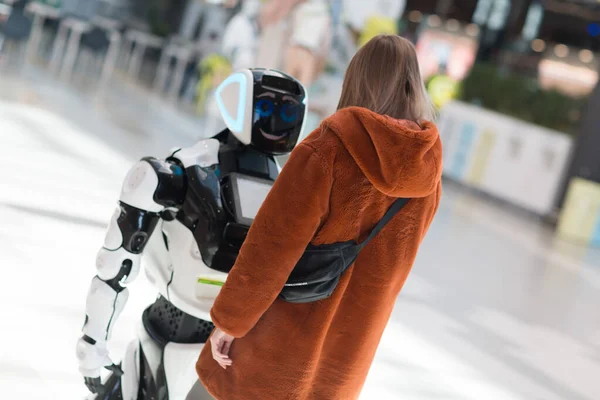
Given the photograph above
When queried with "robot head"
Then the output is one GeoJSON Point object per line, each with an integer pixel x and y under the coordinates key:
{"type": "Point", "coordinates": [264, 108]}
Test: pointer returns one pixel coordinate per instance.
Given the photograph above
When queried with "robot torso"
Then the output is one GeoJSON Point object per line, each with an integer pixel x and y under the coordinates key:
{"type": "Point", "coordinates": [209, 212]}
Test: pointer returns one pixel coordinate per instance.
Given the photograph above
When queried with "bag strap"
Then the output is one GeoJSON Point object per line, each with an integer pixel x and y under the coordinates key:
{"type": "Point", "coordinates": [393, 210]}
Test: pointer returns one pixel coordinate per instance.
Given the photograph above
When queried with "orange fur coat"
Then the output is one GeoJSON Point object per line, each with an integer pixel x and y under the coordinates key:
{"type": "Point", "coordinates": [335, 186]}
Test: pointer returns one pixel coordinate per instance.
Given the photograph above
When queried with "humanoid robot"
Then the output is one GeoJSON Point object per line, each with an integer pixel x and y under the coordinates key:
{"type": "Point", "coordinates": [191, 211]}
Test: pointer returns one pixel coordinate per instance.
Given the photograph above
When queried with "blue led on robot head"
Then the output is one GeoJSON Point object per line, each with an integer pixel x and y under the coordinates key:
{"type": "Point", "coordinates": [289, 112]}
{"type": "Point", "coordinates": [264, 108]}
{"type": "Point", "coordinates": [234, 124]}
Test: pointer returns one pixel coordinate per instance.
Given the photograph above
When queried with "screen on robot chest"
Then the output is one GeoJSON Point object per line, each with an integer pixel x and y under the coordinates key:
{"type": "Point", "coordinates": [252, 195]}
{"type": "Point", "coordinates": [249, 194]}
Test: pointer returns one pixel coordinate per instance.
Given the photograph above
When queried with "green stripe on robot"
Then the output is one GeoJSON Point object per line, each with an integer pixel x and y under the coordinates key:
{"type": "Point", "coordinates": [210, 282]}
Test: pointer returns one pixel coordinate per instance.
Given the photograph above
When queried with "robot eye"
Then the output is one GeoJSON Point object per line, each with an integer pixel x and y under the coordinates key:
{"type": "Point", "coordinates": [289, 112]}
{"type": "Point", "coordinates": [264, 108]}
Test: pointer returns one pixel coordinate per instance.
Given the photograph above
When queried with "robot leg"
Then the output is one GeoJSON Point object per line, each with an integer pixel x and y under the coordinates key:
{"type": "Point", "coordinates": [151, 380]}
{"type": "Point", "coordinates": [130, 380]}
{"type": "Point", "coordinates": [164, 371]}
{"type": "Point", "coordinates": [179, 366]}
{"type": "Point", "coordinates": [142, 376]}
{"type": "Point", "coordinates": [170, 342]}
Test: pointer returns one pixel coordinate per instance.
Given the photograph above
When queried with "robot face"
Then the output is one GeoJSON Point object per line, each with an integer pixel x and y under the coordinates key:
{"type": "Point", "coordinates": [263, 108]}
{"type": "Point", "coordinates": [277, 120]}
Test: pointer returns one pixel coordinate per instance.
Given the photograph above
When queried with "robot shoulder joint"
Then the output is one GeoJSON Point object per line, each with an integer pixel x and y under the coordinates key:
{"type": "Point", "coordinates": [205, 153]}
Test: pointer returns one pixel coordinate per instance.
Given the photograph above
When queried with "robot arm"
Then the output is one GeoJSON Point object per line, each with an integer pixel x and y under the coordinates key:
{"type": "Point", "coordinates": [150, 187]}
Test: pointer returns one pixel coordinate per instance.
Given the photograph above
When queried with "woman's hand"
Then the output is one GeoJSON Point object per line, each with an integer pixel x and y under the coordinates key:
{"type": "Point", "coordinates": [220, 343]}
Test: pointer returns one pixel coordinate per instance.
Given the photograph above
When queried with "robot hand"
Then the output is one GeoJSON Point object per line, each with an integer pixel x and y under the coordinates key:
{"type": "Point", "coordinates": [92, 357]}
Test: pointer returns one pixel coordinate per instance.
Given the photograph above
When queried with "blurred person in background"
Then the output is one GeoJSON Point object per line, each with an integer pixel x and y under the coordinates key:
{"type": "Point", "coordinates": [353, 23]}
{"type": "Point", "coordinates": [296, 36]}
{"type": "Point", "coordinates": [213, 70]}
{"type": "Point", "coordinates": [273, 22]}
{"type": "Point", "coordinates": [241, 35]}
{"type": "Point", "coordinates": [291, 35]}
{"type": "Point", "coordinates": [310, 41]}
{"type": "Point", "coordinates": [378, 147]}
{"type": "Point", "coordinates": [236, 50]}
{"type": "Point", "coordinates": [366, 19]}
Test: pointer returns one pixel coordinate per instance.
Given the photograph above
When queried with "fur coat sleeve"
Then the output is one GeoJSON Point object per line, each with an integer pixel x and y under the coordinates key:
{"type": "Point", "coordinates": [286, 223]}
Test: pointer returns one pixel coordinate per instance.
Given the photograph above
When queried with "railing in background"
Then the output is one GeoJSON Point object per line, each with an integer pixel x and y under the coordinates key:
{"type": "Point", "coordinates": [580, 215]}
{"type": "Point", "coordinates": [515, 161]}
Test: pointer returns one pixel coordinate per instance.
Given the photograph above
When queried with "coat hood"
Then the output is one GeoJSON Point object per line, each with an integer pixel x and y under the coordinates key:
{"type": "Point", "coordinates": [398, 157]}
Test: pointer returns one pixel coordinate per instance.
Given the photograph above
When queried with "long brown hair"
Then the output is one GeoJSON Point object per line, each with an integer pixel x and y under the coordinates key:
{"type": "Point", "coordinates": [384, 77]}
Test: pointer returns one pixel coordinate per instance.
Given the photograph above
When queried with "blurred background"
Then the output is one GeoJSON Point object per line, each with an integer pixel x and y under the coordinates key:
{"type": "Point", "coordinates": [504, 299]}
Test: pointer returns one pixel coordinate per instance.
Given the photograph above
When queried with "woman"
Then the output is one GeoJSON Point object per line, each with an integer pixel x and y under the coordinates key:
{"type": "Point", "coordinates": [337, 184]}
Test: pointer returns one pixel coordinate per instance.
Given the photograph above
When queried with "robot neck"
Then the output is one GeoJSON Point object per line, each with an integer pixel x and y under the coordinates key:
{"type": "Point", "coordinates": [234, 156]}
{"type": "Point", "coordinates": [226, 137]}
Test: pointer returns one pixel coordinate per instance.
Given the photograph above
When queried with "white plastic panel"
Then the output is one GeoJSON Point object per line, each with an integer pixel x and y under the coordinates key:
{"type": "Point", "coordinates": [180, 360]}
{"type": "Point", "coordinates": [234, 98]}
{"type": "Point", "coordinates": [186, 267]}
{"type": "Point", "coordinates": [131, 376]}
{"type": "Point", "coordinates": [204, 153]}
{"type": "Point", "coordinates": [108, 263]}
{"type": "Point", "coordinates": [139, 187]}
{"type": "Point", "coordinates": [114, 237]}
{"type": "Point", "coordinates": [102, 307]}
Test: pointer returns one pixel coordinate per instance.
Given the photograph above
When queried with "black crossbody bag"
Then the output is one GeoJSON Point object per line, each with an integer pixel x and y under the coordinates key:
{"type": "Point", "coordinates": [318, 271]}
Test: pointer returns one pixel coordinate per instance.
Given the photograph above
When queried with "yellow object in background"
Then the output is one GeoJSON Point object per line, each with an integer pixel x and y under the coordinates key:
{"type": "Point", "coordinates": [376, 26]}
{"type": "Point", "coordinates": [442, 90]}
{"type": "Point", "coordinates": [213, 70]}
{"type": "Point", "coordinates": [580, 217]}
{"type": "Point", "coordinates": [482, 154]}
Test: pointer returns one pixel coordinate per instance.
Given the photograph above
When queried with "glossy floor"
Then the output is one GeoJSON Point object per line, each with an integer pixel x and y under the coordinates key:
{"type": "Point", "coordinates": [495, 309]}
